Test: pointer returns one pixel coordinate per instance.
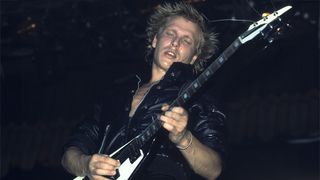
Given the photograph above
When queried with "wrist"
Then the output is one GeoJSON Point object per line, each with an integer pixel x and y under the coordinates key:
{"type": "Point", "coordinates": [176, 139]}
{"type": "Point", "coordinates": [84, 160]}
{"type": "Point", "coordinates": [185, 141]}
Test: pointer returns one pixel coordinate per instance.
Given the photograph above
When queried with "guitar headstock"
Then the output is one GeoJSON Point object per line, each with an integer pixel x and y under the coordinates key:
{"type": "Point", "coordinates": [265, 26]}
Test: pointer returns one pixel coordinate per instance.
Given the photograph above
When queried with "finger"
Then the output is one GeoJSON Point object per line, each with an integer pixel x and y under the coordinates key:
{"type": "Point", "coordinates": [165, 107]}
{"type": "Point", "coordinates": [168, 120]}
{"type": "Point", "coordinates": [112, 161]}
{"type": "Point", "coordinates": [106, 159]}
{"type": "Point", "coordinates": [103, 172]}
{"type": "Point", "coordinates": [171, 125]}
{"type": "Point", "coordinates": [175, 116]}
{"type": "Point", "coordinates": [97, 177]}
{"type": "Point", "coordinates": [168, 127]}
{"type": "Point", "coordinates": [103, 165]}
{"type": "Point", "coordinates": [179, 110]}
{"type": "Point", "coordinates": [97, 157]}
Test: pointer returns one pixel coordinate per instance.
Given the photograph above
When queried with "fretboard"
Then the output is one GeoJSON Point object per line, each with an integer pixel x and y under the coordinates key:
{"type": "Point", "coordinates": [205, 75]}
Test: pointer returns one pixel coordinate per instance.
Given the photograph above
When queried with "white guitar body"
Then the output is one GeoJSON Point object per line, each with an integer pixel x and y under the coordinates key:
{"type": "Point", "coordinates": [130, 154]}
{"type": "Point", "coordinates": [126, 168]}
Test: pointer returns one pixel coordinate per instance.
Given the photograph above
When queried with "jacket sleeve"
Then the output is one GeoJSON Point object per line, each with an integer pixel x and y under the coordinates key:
{"type": "Point", "coordinates": [85, 136]}
{"type": "Point", "coordinates": [207, 124]}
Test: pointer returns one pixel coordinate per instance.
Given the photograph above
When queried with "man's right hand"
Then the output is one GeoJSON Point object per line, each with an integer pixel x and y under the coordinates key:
{"type": "Point", "coordinates": [96, 166]}
{"type": "Point", "coordinates": [101, 165]}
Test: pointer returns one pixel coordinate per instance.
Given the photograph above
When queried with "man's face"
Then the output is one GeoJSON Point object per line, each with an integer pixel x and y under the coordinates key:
{"type": "Point", "coordinates": [176, 43]}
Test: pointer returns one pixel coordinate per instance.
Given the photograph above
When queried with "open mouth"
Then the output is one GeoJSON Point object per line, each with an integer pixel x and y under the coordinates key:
{"type": "Point", "coordinates": [171, 54]}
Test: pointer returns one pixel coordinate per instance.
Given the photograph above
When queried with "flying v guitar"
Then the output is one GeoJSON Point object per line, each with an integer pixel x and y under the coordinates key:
{"type": "Point", "coordinates": [132, 154]}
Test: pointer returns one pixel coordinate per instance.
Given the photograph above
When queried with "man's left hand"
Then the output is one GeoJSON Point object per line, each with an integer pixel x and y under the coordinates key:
{"type": "Point", "coordinates": [175, 121]}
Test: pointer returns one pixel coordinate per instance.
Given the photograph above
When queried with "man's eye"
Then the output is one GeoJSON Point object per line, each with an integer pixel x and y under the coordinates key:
{"type": "Point", "coordinates": [187, 41]}
{"type": "Point", "coordinates": [169, 33]}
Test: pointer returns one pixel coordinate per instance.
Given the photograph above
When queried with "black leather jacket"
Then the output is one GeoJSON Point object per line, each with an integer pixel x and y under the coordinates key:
{"type": "Point", "coordinates": [206, 123]}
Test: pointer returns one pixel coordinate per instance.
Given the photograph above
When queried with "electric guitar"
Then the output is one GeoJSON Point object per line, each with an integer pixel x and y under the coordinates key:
{"type": "Point", "coordinates": [133, 153]}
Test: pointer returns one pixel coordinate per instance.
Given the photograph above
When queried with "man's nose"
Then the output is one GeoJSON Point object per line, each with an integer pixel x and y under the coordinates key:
{"type": "Point", "coordinates": [175, 42]}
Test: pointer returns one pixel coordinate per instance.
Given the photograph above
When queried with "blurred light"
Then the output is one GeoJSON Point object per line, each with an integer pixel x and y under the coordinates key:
{"type": "Point", "coordinates": [265, 14]}
{"type": "Point", "coordinates": [88, 24]}
{"type": "Point", "coordinates": [28, 28]}
{"type": "Point", "coordinates": [251, 3]}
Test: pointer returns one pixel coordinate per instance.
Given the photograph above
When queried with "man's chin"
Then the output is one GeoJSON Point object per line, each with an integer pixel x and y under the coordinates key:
{"type": "Point", "coordinates": [167, 64]}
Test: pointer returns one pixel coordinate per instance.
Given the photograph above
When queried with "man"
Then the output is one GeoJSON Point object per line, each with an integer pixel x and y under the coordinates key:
{"type": "Point", "coordinates": [193, 144]}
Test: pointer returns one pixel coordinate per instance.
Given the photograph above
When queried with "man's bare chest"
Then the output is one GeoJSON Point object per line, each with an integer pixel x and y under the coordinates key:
{"type": "Point", "coordinates": [138, 98]}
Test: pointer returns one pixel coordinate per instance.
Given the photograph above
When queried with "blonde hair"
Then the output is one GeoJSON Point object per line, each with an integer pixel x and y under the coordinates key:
{"type": "Point", "coordinates": [207, 44]}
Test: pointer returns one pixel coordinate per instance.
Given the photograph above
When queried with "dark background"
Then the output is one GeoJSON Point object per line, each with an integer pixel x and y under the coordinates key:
{"type": "Point", "coordinates": [59, 56]}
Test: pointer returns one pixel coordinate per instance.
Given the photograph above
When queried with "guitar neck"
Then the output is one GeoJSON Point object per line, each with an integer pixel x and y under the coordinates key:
{"type": "Point", "coordinates": [206, 74]}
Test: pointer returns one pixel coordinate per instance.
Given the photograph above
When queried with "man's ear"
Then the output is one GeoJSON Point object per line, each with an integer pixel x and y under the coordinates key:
{"type": "Point", "coordinates": [154, 42]}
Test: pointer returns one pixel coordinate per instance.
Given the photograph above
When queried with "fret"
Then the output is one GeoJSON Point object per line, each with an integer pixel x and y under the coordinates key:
{"type": "Point", "coordinates": [181, 100]}
{"type": "Point", "coordinates": [177, 102]}
{"type": "Point", "coordinates": [208, 73]}
{"type": "Point", "coordinates": [201, 79]}
{"type": "Point", "coordinates": [232, 48]}
{"type": "Point", "coordinates": [236, 44]}
{"type": "Point", "coordinates": [196, 84]}
{"type": "Point", "coordinates": [229, 51]}
{"type": "Point", "coordinates": [148, 132]}
{"type": "Point", "coordinates": [216, 65]}
{"type": "Point", "coordinates": [225, 58]}
{"type": "Point", "coordinates": [221, 59]}
{"type": "Point", "coordinates": [185, 96]}
{"type": "Point", "coordinates": [191, 89]}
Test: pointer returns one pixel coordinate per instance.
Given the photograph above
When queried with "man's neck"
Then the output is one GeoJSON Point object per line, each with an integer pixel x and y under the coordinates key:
{"type": "Point", "coordinates": [156, 74]}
